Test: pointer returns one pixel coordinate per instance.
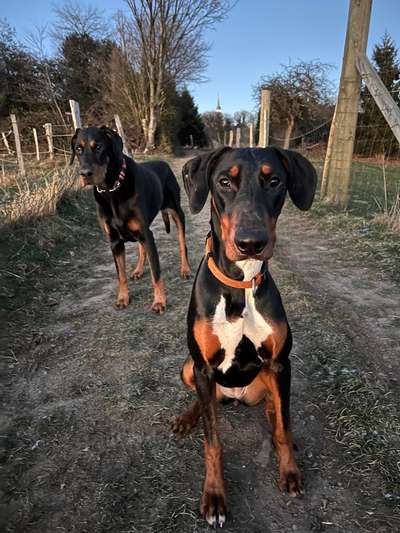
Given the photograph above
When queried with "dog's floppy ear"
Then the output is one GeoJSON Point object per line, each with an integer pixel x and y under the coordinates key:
{"type": "Point", "coordinates": [196, 175]}
{"type": "Point", "coordinates": [73, 143]}
{"type": "Point", "coordinates": [116, 141]}
{"type": "Point", "coordinates": [302, 178]}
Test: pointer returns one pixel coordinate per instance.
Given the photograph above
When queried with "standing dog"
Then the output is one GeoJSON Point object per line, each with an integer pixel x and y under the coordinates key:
{"type": "Point", "coordinates": [238, 335]}
{"type": "Point", "coordinates": [129, 196]}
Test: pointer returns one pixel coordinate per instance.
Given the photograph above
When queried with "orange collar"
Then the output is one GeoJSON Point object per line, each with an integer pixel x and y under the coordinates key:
{"type": "Point", "coordinates": [235, 283]}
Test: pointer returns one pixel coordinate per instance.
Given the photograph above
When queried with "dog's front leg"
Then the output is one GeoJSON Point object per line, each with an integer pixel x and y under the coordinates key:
{"type": "Point", "coordinates": [118, 250]}
{"type": "Point", "coordinates": [213, 505]}
{"type": "Point", "coordinates": [278, 412]}
{"type": "Point", "coordinates": [160, 301]}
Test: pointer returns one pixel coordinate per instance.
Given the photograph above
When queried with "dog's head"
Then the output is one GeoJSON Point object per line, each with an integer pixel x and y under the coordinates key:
{"type": "Point", "coordinates": [97, 149]}
{"type": "Point", "coordinates": [248, 188]}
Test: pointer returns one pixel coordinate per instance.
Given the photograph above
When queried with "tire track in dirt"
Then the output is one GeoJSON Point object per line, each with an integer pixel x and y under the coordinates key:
{"type": "Point", "coordinates": [89, 447]}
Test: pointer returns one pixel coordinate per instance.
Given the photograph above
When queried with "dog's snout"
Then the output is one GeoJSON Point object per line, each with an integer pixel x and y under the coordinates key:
{"type": "Point", "coordinates": [251, 243]}
{"type": "Point", "coordinates": [86, 172]}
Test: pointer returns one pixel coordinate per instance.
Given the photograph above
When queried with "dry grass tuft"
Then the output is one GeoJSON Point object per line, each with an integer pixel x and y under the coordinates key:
{"type": "Point", "coordinates": [391, 217]}
{"type": "Point", "coordinates": [39, 198]}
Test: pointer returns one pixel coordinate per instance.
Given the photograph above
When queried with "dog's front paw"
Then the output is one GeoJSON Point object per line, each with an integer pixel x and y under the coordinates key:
{"type": "Point", "coordinates": [183, 424]}
{"type": "Point", "coordinates": [136, 274]}
{"type": "Point", "coordinates": [213, 507]}
{"type": "Point", "coordinates": [122, 301]}
{"type": "Point", "coordinates": [158, 307]}
{"type": "Point", "coordinates": [291, 481]}
{"type": "Point", "coordinates": [185, 273]}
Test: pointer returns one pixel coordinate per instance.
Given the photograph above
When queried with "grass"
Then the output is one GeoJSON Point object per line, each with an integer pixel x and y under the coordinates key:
{"type": "Point", "coordinates": [369, 231]}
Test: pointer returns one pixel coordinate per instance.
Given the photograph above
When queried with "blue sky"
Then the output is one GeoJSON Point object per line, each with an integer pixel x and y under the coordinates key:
{"type": "Point", "coordinates": [255, 39]}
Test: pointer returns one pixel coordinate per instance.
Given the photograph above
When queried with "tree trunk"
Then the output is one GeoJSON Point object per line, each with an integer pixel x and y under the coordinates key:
{"type": "Point", "coordinates": [151, 130]}
{"type": "Point", "coordinates": [288, 132]}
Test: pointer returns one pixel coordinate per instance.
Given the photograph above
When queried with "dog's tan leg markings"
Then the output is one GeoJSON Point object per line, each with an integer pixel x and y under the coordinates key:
{"type": "Point", "coordinates": [185, 267]}
{"type": "Point", "coordinates": [106, 228]}
{"type": "Point", "coordinates": [137, 273]}
{"type": "Point", "coordinates": [123, 293]}
{"type": "Point", "coordinates": [277, 412]}
{"type": "Point", "coordinates": [213, 501]}
{"type": "Point", "coordinates": [183, 424]}
{"type": "Point", "coordinates": [160, 300]}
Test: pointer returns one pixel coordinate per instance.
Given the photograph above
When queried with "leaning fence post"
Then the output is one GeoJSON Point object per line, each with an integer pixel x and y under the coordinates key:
{"type": "Point", "coordinates": [230, 138]}
{"type": "Point", "coordinates": [21, 165]}
{"type": "Point", "coordinates": [6, 143]}
{"type": "Point", "coordinates": [36, 143]}
{"type": "Point", "coordinates": [49, 136]}
{"type": "Point", "coordinates": [238, 133]}
{"type": "Point", "coordinates": [121, 133]}
{"type": "Point", "coordinates": [76, 113]}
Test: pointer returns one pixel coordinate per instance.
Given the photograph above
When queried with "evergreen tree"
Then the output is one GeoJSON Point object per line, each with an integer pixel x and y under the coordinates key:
{"type": "Point", "coordinates": [373, 133]}
{"type": "Point", "coordinates": [83, 64]}
{"type": "Point", "coordinates": [190, 122]}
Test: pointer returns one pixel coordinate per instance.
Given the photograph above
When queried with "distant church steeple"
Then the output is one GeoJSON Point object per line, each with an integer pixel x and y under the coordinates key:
{"type": "Point", "coordinates": [218, 109]}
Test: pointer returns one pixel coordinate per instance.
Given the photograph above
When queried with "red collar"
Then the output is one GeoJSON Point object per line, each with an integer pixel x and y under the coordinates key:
{"type": "Point", "coordinates": [235, 283]}
{"type": "Point", "coordinates": [118, 182]}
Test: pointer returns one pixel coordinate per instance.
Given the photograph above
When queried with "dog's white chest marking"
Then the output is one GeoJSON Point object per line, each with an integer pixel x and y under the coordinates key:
{"type": "Point", "coordinates": [251, 323]}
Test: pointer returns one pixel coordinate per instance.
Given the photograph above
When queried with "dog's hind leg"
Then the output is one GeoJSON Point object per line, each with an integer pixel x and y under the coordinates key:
{"type": "Point", "coordinates": [137, 273]}
{"type": "Point", "coordinates": [179, 219]}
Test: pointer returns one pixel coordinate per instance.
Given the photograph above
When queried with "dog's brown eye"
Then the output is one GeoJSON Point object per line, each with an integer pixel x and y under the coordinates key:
{"type": "Point", "coordinates": [79, 149]}
{"type": "Point", "coordinates": [225, 183]}
{"type": "Point", "coordinates": [274, 181]}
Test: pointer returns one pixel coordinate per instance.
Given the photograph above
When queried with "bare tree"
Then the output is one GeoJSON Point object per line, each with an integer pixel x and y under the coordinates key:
{"type": "Point", "coordinates": [299, 92]}
{"type": "Point", "coordinates": [36, 41]}
{"type": "Point", "coordinates": [243, 117]}
{"type": "Point", "coordinates": [76, 17]}
{"type": "Point", "coordinates": [163, 41]}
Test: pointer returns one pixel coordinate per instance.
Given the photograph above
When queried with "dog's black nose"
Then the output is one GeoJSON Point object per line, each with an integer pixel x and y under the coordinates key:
{"type": "Point", "coordinates": [86, 172]}
{"type": "Point", "coordinates": [251, 245]}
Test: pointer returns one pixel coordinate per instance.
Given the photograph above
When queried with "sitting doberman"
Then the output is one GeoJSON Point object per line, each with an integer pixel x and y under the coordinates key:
{"type": "Point", "coordinates": [129, 196]}
{"type": "Point", "coordinates": [238, 335]}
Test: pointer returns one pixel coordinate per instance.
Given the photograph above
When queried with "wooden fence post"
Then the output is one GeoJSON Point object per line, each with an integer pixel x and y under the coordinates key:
{"type": "Point", "coordinates": [76, 114]}
{"type": "Point", "coordinates": [35, 137]}
{"type": "Point", "coordinates": [21, 165]}
{"type": "Point", "coordinates": [121, 133]}
{"type": "Point", "coordinates": [230, 138]}
{"type": "Point", "coordinates": [49, 136]}
{"type": "Point", "coordinates": [339, 154]}
{"type": "Point", "coordinates": [263, 139]}
{"type": "Point", "coordinates": [251, 135]}
{"type": "Point", "coordinates": [238, 134]}
{"type": "Point", "coordinates": [6, 143]}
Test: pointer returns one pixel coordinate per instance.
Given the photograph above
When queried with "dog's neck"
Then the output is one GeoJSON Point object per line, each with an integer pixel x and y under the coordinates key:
{"type": "Point", "coordinates": [114, 168]}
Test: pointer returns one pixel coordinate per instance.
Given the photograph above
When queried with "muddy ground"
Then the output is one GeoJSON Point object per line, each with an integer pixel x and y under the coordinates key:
{"type": "Point", "coordinates": [89, 393]}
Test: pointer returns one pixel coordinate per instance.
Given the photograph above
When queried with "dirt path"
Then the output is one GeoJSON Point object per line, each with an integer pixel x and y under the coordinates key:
{"type": "Point", "coordinates": [85, 425]}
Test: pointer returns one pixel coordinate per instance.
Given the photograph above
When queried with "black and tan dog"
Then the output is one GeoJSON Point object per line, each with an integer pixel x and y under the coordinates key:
{"type": "Point", "coordinates": [129, 196]}
{"type": "Point", "coordinates": [238, 335]}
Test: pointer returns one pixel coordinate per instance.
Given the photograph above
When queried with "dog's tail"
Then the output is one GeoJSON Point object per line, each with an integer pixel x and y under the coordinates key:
{"type": "Point", "coordinates": [166, 221]}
